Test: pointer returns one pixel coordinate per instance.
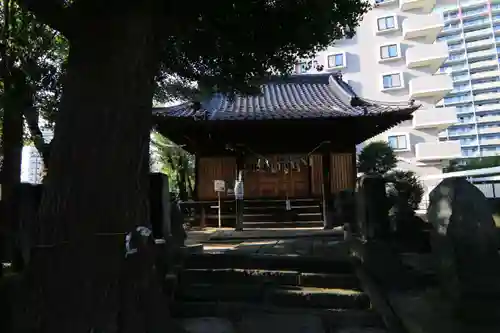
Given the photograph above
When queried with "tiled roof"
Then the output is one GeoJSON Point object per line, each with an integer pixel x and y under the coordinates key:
{"type": "Point", "coordinates": [293, 97]}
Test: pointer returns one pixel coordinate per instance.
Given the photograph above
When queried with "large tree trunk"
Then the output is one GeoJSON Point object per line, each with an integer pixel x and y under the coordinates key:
{"type": "Point", "coordinates": [16, 98]}
{"type": "Point", "coordinates": [96, 188]}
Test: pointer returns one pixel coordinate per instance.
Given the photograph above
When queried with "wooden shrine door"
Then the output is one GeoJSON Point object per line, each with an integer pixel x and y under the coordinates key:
{"type": "Point", "coordinates": [279, 178]}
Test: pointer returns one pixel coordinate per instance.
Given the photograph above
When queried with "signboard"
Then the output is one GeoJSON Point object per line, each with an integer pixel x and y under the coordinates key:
{"type": "Point", "coordinates": [219, 186]}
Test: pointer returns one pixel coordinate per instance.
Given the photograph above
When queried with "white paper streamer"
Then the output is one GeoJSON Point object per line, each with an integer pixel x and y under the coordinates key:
{"type": "Point", "coordinates": [143, 232]}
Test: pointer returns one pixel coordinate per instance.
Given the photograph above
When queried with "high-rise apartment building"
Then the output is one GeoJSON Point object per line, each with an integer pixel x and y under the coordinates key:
{"type": "Point", "coordinates": [472, 33]}
{"type": "Point", "coordinates": [395, 57]}
{"type": "Point", "coordinates": [32, 166]}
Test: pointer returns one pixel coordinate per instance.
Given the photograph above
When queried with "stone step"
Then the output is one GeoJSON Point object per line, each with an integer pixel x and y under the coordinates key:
{"type": "Point", "coordinates": [281, 224]}
{"type": "Point", "coordinates": [267, 210]}
{"type": "Point", "coordinates": [273, 277]}
{"type": "Point", "coordinates": [284, 296]}
{"type": "Point", "coordinates": [281, 202]}
{"type": "Point", "coordinates": [333, 320]}
{"type": "Point", "coordinates": [305, 264]}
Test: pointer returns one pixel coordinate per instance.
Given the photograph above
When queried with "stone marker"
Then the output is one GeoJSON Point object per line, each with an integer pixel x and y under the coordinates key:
{"type": "Point", "coordinates": [372, 207]}
{"type": "Point", "coordinates": [464, 244]}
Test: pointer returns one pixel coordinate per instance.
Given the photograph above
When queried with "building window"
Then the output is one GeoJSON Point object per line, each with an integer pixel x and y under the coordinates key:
{"type": "Point", "coordinates": [386, 23]}
{"type": "Point", "coordinates": [392, 81]}
{"type": "Point", "coordinates": [389, 51]}
{"type": "Point", "coordinates": [303, 67]}
{"type": "Point", "coordinates": [336, 60]}
{"type": "Point", "coordinates": [398, 142]}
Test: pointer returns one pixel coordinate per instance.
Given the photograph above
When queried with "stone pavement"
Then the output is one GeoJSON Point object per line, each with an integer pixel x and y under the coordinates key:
{"type": "Point", "coordinates": [266, 323]}
{"type": "Point", "coordinates": [288, 242]}
{"type": "Point", "coordinates": [309, 247]}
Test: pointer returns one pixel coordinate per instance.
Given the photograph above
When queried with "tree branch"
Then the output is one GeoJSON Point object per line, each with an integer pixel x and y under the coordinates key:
{"type": "Point", "coordinates": [31, 116]}
{"type": "Point", "coordinates": [53, 13]}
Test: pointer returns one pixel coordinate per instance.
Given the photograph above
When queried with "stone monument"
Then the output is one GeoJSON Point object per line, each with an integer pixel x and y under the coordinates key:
{"type": "Point", "coordinates": [465, 247]}
{"type": "Point", "coordinates": [372, 207]}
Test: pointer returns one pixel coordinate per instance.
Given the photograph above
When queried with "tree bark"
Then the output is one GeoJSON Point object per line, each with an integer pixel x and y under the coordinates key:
{"type": "Point", "coordinates": [12, 143]}
{"type": "Point", "coordinates": [31, 116]}
{"type": "Point", "coordinates": [97, 188]}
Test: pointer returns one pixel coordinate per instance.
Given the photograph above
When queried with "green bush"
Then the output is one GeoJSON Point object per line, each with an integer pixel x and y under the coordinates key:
{"type": "Point", "coordinates": [379, 158]}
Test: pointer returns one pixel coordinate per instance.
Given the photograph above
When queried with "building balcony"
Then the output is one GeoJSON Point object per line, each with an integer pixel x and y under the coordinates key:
{"type": "Point", "coordinates": [493, 96]}
{"type": "Point", "coordinates": [477, 33]}
{"type": "Point", "coordinates": [486, 85]}
{"type": "Point", "coordinates": [484, 64]}
{"type": "Point", "coordinates": [439, 118]}
{"type": "Point", "coordinates": [480, 44]}
{"type": "Point", "coordinates": [488, 107]}
{"type": "Point", "coordinates": [427, 55]}
{"type": "Point", "coordinates": [487, 119]}
{"type": "Point", "coordinates": [436, 151]}
{"type": "Point", "coordinates": [489, 153]}
{"type": "Point", "coordinates": [432, 87]}
{"type": "Point", "coordinates": [489, 130]}
{"type": "Point", "coordinates": [425, 6]}
{"type": "Point", "coordinates": [484, 75]}
{"type": "Point", "coordinates": [490, 142]}
{"type": "Point", "coordinates": [423, 26]}
{"type": "Point", "coordinates": [482, 54]}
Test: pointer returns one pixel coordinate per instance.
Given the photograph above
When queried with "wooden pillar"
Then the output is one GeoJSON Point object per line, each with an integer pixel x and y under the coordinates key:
{"type": "Point", "coordinates": [326, 160]}
{"type": "Point", "coordinates": [239, 200]}
{"type": "Point", "coordinates": [203, 217]}
{"type": "Point", "coordinates": [196, 177]}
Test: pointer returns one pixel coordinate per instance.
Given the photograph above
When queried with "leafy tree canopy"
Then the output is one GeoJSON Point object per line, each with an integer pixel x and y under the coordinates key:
{"type": "Point", "coordinates": [176, 163]}
{"type": "Point", "coordinates": [376, 158]}
{"type": "Point", "coordinates": [406, 186]}
{"type": "Point", "coordinates": [223, 47]}
{"type": "Point", "coordinates": [36, 54]}
{"type": "Point", "coordinates": [403, 186]}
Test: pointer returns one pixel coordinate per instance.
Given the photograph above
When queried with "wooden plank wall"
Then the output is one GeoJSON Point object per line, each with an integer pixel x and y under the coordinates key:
{"type": "Point", "coordinates": [342, 172]}
{"type": "Point", "coordinates": [212, 168]}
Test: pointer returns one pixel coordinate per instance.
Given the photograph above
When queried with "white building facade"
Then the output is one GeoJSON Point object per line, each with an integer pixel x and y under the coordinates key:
{"type": "Point", "coordinates": [395, 57]}
{"type": "Point", "coordinates": [472, 33]}
{"type": "Point", "coordinates": [32, 166]}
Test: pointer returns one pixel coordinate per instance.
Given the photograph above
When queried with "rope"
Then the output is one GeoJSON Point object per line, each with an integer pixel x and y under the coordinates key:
{"type": "Point", "coordinates": [294, 160]}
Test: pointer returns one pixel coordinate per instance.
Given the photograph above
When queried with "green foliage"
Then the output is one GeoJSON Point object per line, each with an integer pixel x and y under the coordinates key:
{"type": "Point", "coordinates": [376, 158]}
{"type": "Point", "coordinates": [224, 47]}
{"type": "Point", "coordinates": [405, 186]}
{"type": "Point", "coordinates": [39, 52]}
{"type": "Point", "coordinates": [227, 46]}
{"type": "Point", "coordinates": [473, 164]}
{"type": "Point", "coordinates": [176, 163]}
{"type": "Point", "coordinates": [35, 54]}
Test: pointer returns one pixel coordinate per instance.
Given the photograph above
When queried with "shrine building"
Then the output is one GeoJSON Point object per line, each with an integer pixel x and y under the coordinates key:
{"type": "Point", "coordinates": [296, 139]}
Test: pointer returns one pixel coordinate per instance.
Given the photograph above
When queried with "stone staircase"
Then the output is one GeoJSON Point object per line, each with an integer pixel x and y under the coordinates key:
{"type": "Point", "coordinates": [303, 213]}
{"type": "Point", "coordinates": [228, 293]}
